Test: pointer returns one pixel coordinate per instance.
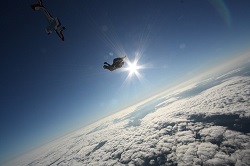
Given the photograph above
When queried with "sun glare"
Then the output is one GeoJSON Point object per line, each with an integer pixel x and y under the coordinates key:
{"type": "Point", "coordinates": [132, 68]}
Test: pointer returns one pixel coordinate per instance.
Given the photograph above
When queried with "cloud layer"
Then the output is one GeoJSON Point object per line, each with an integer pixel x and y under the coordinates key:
{"type": "Point", "coordinates": [209, 128]}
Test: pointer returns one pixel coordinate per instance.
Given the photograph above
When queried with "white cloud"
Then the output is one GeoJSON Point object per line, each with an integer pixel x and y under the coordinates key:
{"type": "Point", "coordinates": [189, 131]}
{"type": "Point", "coordinates": [213, 133]}
{"type": "Point", "coordinates": [206, 150]}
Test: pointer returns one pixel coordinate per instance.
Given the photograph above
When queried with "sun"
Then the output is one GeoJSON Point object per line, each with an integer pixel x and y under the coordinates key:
{"type": "Point", "coordinates": [132, 68]}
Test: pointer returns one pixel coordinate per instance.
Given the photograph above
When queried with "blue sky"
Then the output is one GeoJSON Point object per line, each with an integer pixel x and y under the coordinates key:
{"type": "Point", "coordinates": [49, 87]}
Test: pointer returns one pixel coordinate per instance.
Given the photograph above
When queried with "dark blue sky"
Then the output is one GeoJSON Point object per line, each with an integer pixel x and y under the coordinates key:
{"type": "Point", "coordinates": [49, 87]}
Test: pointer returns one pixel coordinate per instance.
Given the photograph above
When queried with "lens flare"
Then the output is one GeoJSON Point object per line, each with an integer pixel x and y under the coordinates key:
{"type": "Point", "coordinates": [132, 68]}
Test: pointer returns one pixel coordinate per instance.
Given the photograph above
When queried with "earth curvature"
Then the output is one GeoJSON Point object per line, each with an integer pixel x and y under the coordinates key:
{"type": "Point", "coordinates": [203, 124]}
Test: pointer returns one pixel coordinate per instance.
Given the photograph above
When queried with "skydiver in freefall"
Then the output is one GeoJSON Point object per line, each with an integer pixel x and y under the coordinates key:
{"type": "Point", "coordinates": [117, 63]}
{"type": "Point", "coordinates": [54, 23]}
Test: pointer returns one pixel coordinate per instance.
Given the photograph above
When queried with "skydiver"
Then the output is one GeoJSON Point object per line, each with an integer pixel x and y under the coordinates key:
{"type": "Point", "coordinates": [117, 63]}
{"type": "Point", "coordinates": [54, 23]}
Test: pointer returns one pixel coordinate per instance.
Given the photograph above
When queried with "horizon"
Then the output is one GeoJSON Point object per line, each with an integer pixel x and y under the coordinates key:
{"type": "Point", "coordinates": [50, 87]}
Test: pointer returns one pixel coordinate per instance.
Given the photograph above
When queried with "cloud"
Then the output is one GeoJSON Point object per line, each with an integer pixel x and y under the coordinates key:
{"type": "Point", "coordinates": [210, 128]}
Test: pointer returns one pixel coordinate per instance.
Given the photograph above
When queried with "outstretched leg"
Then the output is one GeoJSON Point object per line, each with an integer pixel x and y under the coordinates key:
{"type": "Point", "coordinates": [106, 63]}
{"type": "Point", "coordinates": [110, 67]}
{"type": "Point", "coordinates": [106, 67]}
{"type": "Point", "coordinates": [40, 2]}
{"type": "Point", "coordinates": [36, 6]}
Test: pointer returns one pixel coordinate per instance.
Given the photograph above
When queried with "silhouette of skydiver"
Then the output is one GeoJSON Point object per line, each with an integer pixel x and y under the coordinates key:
{"type": "Point", "coordinates": [117, 63]}
{"type": "Point", "coordinates": [54, 22]}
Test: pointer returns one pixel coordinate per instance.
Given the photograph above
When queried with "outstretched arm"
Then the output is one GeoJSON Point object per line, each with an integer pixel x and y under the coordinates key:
{"type": "Point", "coordinates": [123, 57]}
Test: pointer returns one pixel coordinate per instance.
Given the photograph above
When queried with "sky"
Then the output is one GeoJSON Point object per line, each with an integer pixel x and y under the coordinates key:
{"type": "Point", "coordinates": [205, 124]}
{"type": "Point", "coordinates": [49, 87]}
